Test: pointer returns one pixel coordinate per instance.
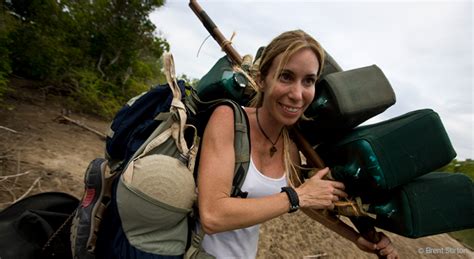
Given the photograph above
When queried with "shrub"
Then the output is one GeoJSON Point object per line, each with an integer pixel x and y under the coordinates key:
{"type": "Point", "coordinates": [94, 95]}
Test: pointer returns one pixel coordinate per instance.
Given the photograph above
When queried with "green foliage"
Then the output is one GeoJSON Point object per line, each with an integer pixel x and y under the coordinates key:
{"type": "Point", "coordinates": [94, 95]}
{"type": "Point", "coordinates": [466, 167]}
{"type": "Point", "coordinates": [191, 81]}
{"type": "Point", "coordinates": [7, 24]}
{"type": "Point", "coordinates": [109, 49]}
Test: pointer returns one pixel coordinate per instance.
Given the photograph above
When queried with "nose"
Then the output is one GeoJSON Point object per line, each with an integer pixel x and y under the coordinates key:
{"type": "Point", "coordinates": [296, 92]}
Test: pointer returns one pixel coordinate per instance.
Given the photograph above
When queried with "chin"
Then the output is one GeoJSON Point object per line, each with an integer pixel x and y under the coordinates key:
{"type": "Point", "coordinates": [290, 122]}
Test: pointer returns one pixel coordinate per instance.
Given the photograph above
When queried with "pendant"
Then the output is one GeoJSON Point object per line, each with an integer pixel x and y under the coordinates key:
{"type": "Point", "coordinates": [273, 149]}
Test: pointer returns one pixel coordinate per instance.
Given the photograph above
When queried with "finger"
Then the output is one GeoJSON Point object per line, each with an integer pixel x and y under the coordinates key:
{"type": "Point", "coordinates": [338, 185]}
{"type": "Point", "coordinates": [340, 193]}
{"type": "Point", "coordinates": [387, 250]}
{"type": "Point", "coordinates": [321, 173]}
{"type": "Point", "coordinates": [331, 206]}
{"type": "Point", "coordinates": [369, 245]}
{"type": "Point", "coordinates": [393, 255]}
{"type": "Point", "coordinates": [384, 241]}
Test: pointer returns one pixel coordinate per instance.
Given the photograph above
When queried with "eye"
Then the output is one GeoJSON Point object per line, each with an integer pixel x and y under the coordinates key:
{"type": "Point", "coordinates": [309, 81]}
{"type": "Point", "coordinates": [285, 77]}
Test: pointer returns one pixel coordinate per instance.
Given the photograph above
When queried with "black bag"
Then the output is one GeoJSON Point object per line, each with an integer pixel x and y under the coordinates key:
{"type": "Point", "coordinates": [388, 154]}
{"type": "Point", "coordinates": [27, 225]}
{"type": "Point", "coordinates": [431, 204]}
{"type": "Point", "coordinates": [344, 100]}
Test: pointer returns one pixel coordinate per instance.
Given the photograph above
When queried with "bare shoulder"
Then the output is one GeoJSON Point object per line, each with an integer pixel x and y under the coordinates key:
{"type": "Point", "coordinates": [222, 115]}
{"type": "Point", "coordinates": [222, 112]}
{"type": "Point", "coordinates": [221, 122]}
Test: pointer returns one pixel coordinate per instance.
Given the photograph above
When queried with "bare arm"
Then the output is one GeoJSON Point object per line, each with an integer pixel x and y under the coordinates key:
{"type": "Point", "coordinates": [218, 211]}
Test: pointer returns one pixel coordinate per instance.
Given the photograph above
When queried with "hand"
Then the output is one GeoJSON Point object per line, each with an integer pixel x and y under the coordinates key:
{"type": "Point", "coordinates": [384, 247]}
{"type": "Point", "coordinates": [317, 193]}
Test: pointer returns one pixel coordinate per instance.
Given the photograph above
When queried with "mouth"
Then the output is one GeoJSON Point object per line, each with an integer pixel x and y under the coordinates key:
{"type": "Point", "coordinates": [290, 109]}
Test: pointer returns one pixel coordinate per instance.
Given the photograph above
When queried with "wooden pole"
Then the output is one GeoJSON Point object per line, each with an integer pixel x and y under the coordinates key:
{"type": "Point", "coordinates": [215, 32]}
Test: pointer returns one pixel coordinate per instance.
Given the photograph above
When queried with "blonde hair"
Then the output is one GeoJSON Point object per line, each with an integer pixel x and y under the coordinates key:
{"type": "Point", "coordinates": [286, 44]}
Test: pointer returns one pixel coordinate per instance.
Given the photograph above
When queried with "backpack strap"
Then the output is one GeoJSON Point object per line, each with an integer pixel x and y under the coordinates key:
{"type": "Point", "coordinates": [241, 149]}
{"type": "Point", "coordinates": [242, 162]}
{"type": "Point", "coordinates": [241, 136]}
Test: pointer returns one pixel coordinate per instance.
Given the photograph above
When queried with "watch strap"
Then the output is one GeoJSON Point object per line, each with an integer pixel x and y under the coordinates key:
{"type": "Point", "coordinates": [293, 197]}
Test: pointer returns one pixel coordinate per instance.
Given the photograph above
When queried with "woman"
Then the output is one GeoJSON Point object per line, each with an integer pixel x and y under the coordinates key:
{"type": "Point", "coordinates": [289, 68]}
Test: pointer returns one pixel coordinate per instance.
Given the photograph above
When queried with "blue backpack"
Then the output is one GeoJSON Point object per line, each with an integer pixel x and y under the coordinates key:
{"type": "Point", "coordinates": [135, 121]}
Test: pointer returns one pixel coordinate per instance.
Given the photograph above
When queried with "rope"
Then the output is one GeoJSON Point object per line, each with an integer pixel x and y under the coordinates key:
{"type": "Point", "coordinates": [351, 207]}
{"type": "Point", "coordinates": [228, 42]}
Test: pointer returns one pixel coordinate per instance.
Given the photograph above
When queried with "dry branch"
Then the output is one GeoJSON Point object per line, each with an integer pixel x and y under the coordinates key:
{"type": "Point", "coordinates": [8, 129]}
{"type": "Point", "coordinates": [82, 125]}
{"type": "Point", "coordinates": [29, 190]}
{"type": "Point", "coordinates": [5, 177]}
{"type": "Point", "coordinates": [14, 199]}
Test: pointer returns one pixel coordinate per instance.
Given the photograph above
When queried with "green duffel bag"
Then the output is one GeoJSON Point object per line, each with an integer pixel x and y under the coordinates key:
{"type": "Point", "coordinates": [388, 154]}
{"type": "Point", "coordinates": [344, 100]}
{"type": "Point", "coordinates": [431, 204]}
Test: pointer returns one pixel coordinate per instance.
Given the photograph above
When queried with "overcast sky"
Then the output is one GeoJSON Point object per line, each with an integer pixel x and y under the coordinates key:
{"type": "Point", "coordinates": [424, 48]}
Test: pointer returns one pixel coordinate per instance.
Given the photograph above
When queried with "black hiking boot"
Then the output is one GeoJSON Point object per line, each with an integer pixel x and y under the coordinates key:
{"type": "Point", "coordinates": [88, 215]}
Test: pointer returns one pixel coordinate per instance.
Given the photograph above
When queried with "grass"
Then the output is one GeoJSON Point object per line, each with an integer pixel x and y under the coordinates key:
{"type": "Point", "coordinates": [466, 167]}
{"type": "Point", "coordinates": [464, 236]}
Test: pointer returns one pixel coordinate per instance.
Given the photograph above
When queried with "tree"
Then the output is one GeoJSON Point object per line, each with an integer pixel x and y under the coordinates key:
{"type": "Point", "coordinates": [7, 24]}
{"type": "Point", "coordinates": [109, 45]}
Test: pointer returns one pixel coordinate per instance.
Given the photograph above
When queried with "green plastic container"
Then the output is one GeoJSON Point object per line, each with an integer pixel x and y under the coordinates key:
{"type": "Point", "coordinates": [222, 82]}
{"type": "Point", "coordinates": [431, 204]}
{"type": "Point", "coordinates": [344, 100]}
{"type": "Point", "coordinates": [388, 154]}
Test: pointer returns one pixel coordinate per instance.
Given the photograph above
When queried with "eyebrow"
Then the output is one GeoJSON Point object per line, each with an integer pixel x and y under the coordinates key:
{"type": "Point", "coordinates": [285, 70]}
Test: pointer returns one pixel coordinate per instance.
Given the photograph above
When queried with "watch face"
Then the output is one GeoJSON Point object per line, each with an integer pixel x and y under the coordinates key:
{"type": "Point", "coordinates": [294, 208]}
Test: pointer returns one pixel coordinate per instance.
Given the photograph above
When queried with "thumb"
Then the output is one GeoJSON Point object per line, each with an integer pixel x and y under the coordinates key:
{"type": "Point", "coordinates": [321, 173]}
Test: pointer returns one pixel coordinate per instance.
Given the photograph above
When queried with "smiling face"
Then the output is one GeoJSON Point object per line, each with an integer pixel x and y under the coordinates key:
{"type": "Point", "coordinates": [290, 90]}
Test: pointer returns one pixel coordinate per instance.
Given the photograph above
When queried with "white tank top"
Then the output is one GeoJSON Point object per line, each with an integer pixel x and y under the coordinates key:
{"type": "Point", "coordinates": [243, 243]}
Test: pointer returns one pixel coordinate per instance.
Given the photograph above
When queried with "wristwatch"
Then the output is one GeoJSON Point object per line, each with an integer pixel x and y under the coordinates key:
{"type": "Point", "coordinates": [293, 197]}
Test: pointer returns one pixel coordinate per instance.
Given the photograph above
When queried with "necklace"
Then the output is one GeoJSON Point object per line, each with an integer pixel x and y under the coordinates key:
{"type": "Point", "coordinates": [273, 149]}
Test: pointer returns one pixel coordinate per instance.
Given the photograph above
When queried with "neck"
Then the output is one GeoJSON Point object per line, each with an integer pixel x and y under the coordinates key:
{"type": "Point", "coordinates": [271, 135]}
{"type": "Point", "coordinates": [267, 125]}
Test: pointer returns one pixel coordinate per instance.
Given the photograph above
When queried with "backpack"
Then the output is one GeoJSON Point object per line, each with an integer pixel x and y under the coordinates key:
{"type": "Point", "coordinates": [145, 201]}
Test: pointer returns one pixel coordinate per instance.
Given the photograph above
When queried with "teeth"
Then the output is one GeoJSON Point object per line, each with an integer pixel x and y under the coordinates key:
{"type": "Point", "coordinates": [290, 109]}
